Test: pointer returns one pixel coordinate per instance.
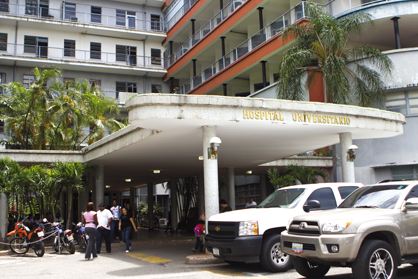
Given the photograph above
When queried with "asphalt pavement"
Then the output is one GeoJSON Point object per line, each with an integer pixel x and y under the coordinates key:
{"type": "Point", "coordinates": [146, 263]}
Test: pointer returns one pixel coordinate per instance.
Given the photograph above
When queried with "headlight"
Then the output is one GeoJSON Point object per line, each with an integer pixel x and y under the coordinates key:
{"type": "Point", "coordinates": [248, 228]}
{"type": "Point", "coordinates": [334, 226]}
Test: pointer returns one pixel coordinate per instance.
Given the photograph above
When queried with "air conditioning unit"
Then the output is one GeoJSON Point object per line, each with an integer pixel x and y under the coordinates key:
{"type": "Point", "coordinates": [74, 19]}
{"type": "Point", "coordinates": [235, 5]}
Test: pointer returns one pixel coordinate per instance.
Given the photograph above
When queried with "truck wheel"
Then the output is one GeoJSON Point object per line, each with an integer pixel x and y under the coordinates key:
{"type": "Point", "coordinates": [310, 270]}
{"type": "Point", "coordinates": [376, 259]}
{"type": "Point", "coordinates": [272, 258]}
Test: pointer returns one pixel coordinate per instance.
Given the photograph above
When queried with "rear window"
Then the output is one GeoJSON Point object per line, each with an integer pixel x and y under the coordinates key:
{"type": "Point", "coordinates": [345, 191]}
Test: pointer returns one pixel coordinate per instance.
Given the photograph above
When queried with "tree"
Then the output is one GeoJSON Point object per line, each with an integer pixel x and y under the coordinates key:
{"type": "Point", "coordinates": [324, 38]}
{"type": "Point", "coordinates": [294, 174]}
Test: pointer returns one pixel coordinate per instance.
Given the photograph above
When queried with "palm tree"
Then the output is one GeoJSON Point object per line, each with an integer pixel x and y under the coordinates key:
{"type": "Point", "coordinates": [294, 174]}
{"type": "Point", "coordinates": [345, 72]}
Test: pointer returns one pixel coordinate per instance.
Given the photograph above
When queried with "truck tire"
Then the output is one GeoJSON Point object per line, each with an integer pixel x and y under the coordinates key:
{"type": "Point", "coordinates": [272, 258]}
{"type": "Point", "coordinates": [310, 270]}
{"type": "Point", "coordinates": [376, 259]}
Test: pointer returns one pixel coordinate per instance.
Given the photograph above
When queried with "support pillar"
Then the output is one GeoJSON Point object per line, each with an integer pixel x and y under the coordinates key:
{"type": "Point", "coordinates": [225, 88]}
{"type": "Point", "coordinates": [201, 193]}
{"type": "Point", "coordinates": [347, 167]}
{"type": "Point", "coordinates": [150, 199]}
{"type": "Point", "coordinates": [70, 207]}
{"type": "Point", "coordinates": [263, 186]}
{"type": "Point", "coordinates": [174, 205]}
{"type": "Point", "coordinates": [193, 27]}
{"type": "Point", "coordinates": [221, 4]}
{"type": "Point", "coordinates": [260, 17]}
{"type": "Point", "coordinates": [264, 71]}
{"type": "Point", "coordinates": [3, 217]}
{"type": "Point", "coordinates": [100, 186]}
{"type": "Point", "coordinates": [81, 205]}
{"type": "Point", "coordinates": [132, 191]}
{"type": "Point", "coordinates": [230, 180]}
{"type": "Point", "coordinates": [210, 172]}
{"type": "Point", "coordinates": [223, 46]}
{"type": "Point", "coordinates": [396, 27]}
{"type": "Point", "coordinates": [62, 204]}
{"type": "Point", "coordinates": [171, 85]}
{"type": "Point", "coordinates": [194, 67]}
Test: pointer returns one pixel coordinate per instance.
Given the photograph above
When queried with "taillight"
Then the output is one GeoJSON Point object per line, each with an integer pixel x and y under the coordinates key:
{"type": "Point", "coordinates": [69, 233]}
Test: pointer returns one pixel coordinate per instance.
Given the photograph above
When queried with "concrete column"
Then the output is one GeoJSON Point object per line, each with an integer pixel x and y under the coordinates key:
{"type": "Point", "coordinates": [347, 167]}
{"type": "Point", "coordinates": [3, 217]}
{"type": "Point", "coordinates": [223, 46]}
{"type": "Point", "coordinates": [225, 89]}
{"type": "Point", "coordinates": [263, 186]}
{"type": "Point", "coordinates": [221, 4]}
{"type": "Point", "coordinates": [194, 67]}
{"type": "Point", "coordinates": [100, 186]}
{"type": "Point", "coordinates": [69, 210]}
{"type": "Point", "coordinates": [132, 191]}
{"type": "Point", "coordinates": [260, 17]}
{"type": "Point", "coordinates": [174, 205]}
{"type": "Point", "coordinates": [210, 172]}
{"type": "Point", "coordinates": [193, 26]}
{"type": "Point", "coordinates": [201, 193]}
{"type": "Point", "coordinates": [230, 181]}
{"type": "Point", "coordinates": [396, 27]}
{"type": "Point", "coordinates": [150, 199]}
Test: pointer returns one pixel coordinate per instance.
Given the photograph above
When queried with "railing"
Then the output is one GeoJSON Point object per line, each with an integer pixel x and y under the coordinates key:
{"type": "Point", "coordinates": [176, 17]}
{"type": "Point", "coordinates": [128, 21]}
{"type": "Point", "coordinates": [77, 55]}
{"type": "Point", "coordinates": [265, 34]}
{"type": "Point", "coordinates": [202, 32]}
{"type": "Point", "coordinates": [340, 7]}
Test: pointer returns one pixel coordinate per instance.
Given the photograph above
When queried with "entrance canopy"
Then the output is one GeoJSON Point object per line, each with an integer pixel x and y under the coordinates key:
{"type": "Point", "coordinates": [166, 134]}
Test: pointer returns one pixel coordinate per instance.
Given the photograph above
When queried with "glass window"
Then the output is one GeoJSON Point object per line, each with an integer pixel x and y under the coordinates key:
{"type": "Point", "coordinates": [96, 14]}
{"type": "Point", "coordinates": [96, 83]}
{"type": "Point", "coordinates": [156, 88]}
{"type": "Point", "coordinates": [95, 50]}
{"type": "Point", "coordinates": [285, 198]}
{"type": "Point", "coordinates": [27, 80]}
{"type": "Point", "coordinates": [326, 198]}
{"type": "Point", "coordinates": [70, 11]}
{"type": "Point", "coordinates": [155, 56]}
{"type": "Point", "coordinates": [126, 87]}
{"type": "Point", "coordinates": [413, 193]}
{"type": "Point", "coordinates": [69, 48]}
{"type": "Point", "coordinates": [69, 80]}
{"type": "Point", "coordinates": [4, 6]}
{"type": "Point", "coordinates": [37, 45]}
{"type": "Point", "coordinates": [345, 191]}
{"type": "Point", "coordinates": [31, 7]}
{"type": "Point", "coordinates": [405, 102]}
{"type": "Point", "coordinates": [404, 172]}
{"type": "Point", "coordinates": [155, 23]}
{"type": "Point", "coordinates": [3, 42]}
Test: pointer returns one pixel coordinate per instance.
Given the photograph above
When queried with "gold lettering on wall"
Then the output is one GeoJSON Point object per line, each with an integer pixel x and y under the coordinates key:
{"type": "Point", "coordinates": [297, 117]}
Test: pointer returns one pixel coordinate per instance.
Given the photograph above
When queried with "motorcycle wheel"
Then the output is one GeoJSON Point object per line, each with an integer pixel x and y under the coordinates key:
{"type": "Point", "coordinates": [18, 246]}
{"type": "Point", "coordinates": [71, 248]}
{"type": "Point", "coordinates": [81, 241]}
{"type": "Point", "coordinates": [39, 248]}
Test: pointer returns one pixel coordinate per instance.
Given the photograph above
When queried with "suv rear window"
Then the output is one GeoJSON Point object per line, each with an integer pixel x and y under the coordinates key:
{"type": "Point", "coordinates": [345, 191]}
{"type": "Point", "coordinates": [326, 198]}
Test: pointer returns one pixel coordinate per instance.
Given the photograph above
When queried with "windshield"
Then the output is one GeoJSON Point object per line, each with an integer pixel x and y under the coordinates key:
{"type": "Point", "coordinates": [385, 196]}
{"type": "Point", "coordinates": [286, 198]}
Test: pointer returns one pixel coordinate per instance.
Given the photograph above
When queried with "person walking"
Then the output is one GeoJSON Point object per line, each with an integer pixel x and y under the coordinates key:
{"type": "Point", "coordinates": [104, 219]}
{"type": "Point", "coordinates": [116, 210]}
{"type": "Point", "coordinates": [90, 223]}
{"type": "Point", "coordinates": [125, 226]}
{"type": "Point", "coordinates": [198, 231]}
{"type": "Point", "coordinates": [251, 203]}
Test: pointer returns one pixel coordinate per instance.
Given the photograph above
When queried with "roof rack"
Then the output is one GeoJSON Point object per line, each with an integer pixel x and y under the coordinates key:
{"type": "Point", "coordinates": [394, 180]}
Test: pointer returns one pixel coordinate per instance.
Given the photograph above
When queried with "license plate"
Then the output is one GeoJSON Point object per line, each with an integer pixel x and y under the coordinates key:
{"type": "Point", "coordinates": [297, 248]}
{"type": "Point", "coordinates": [41, 234]}
{"type": "Point", "coordinates": [216, 251]}
{"type": "Point", "coordinates": [87, 236]}
{"type": "Point", "coordinates": [70, 238]}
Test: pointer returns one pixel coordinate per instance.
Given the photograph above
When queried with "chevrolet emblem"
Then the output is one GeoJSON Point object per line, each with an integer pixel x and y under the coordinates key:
{"type": "Point", "coordinates": [217, 228]}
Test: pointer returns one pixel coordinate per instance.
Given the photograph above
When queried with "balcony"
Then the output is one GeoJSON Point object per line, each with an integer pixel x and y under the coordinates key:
{"type": "Point", "coordinates": [250, 45]}
{"type": "Point", "coordinates": [203, 31]}
{"type": "Point", "coordinates": [342, 7]}
{"type": "Point", "coordinates": [177, 15]}
{"type": "Point", "coordinates": [109, 18]}
{"type": "Point", "coordinates": [64, 56]}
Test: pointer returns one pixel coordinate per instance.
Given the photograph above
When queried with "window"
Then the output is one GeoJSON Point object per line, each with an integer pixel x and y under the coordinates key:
{"type": "Point", "coordinates": [156, 88]}
{"type": "Point", "coordinates": [3, 42]}
{"type": "Point", "coordinates": [125, 18]}
{"type": "Point", "coordinates": [2, 81]}
{"type": "Point", "coordinates": [96, 83]}
{"type": "Point", "coordinates": [69, 80]}
{"type": "Point", "coordinates": [125, 87]}
{"type": "Point", "coordinates": [95, 50]}
{"type": "Point", "coordinates": [27, 80]}
{"type": "Point", "coordinates": [404, 172]}
{"type": "Point", "coordinates": [70, 11]}
{"type": "Point", "coordinates": [405, 102]}
{"type": "Point", "coordinates": [345, 191]}
{"type": "Point", "coordinates": [244, 192]}
{"type": "Point", "coordinates": [36, 45]}
{"type": "Point", "coordinates": [4, 6]}
{"type": "Point", "coordinates": [413, 193]}
{"type": "Point", "coordinates": [326, 198]}
{"type": "Point", "coordinates": [127, 54]}
{"type": "Point", "coordinates": [44, 8]}
{"type": "Point", "coordinates": [155, 56]}
{"type": "Point", "coordinates": [31, 7]}
{"type": "Point", "coordinates": [69, 48]}
{"type": "Point", "coordinates": [96, 14]}
{"type": "Point", "coordinates": [156, 23]}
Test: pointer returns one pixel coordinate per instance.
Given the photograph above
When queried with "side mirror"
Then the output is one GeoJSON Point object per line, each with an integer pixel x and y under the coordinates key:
{"type": "Point", "coordinates": [45, 220]}
{"type": "Point", "coordinates": [311, 205]}
{"type": "Point", "coordinates": [412, 204]}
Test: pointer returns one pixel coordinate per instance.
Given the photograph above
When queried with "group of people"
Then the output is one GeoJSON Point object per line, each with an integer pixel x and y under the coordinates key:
{"type": "Point", "coordinates": [105, 224]}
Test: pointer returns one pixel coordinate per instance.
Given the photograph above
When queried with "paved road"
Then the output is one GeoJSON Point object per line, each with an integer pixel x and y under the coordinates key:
{"type": "Point", "coordinates": [147, 263]}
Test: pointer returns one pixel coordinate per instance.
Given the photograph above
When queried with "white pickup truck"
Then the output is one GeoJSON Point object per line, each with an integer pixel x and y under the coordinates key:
{"type": "Point", "coordinates": [253, 235]}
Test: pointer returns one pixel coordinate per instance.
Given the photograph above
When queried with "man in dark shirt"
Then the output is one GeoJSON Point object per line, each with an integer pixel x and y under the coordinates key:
{"type": "Point", "coordinates": [224, 206]}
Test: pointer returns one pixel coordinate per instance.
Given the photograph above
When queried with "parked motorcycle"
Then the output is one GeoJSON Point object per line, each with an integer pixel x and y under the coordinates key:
{"type": "Point", "coordinates": [80, 235]}
{"type": "Point", "coordinates": [23, 239]}
{"type": "Point", "coordinates": [63, 239]}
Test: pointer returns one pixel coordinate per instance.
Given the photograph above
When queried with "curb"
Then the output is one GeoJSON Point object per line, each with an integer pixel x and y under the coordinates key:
{"type": "Point", "coordinates": [203, 259]}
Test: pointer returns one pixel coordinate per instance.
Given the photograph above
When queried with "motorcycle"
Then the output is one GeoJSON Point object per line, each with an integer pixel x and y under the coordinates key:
{"type": "Point", "coordinates": [23, 239]}
{"type": "Point", "coordinates": [63, 239]}
{"type": "Point", "coordinates": [80, 235]}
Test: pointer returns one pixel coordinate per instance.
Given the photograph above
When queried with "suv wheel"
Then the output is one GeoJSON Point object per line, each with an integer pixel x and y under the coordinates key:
{"type": "Point", "coordinates": [376, 259]}
{"type": "Point", "coordinates": [272, 258]}
{"type": "Point", "coordinates": [308, 269]}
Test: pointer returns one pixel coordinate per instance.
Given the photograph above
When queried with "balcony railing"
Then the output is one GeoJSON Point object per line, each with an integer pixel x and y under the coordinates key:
{"type": "Point", "coordinates": [127, 22]}
{"type": "Point", "coordinates": [176, 17]}
{"type": "Point", "coordinates": [340, 7]}
{"type": "Point", "coordinates": [202, 32]}
{"type": "Point", "coordinates": [78, 55]}
{"type": "Point", "coordinates": [265, 34]}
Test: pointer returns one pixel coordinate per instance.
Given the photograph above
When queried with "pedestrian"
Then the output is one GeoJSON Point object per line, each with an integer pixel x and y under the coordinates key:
{"type": "Point", "coordinates": [104, 219]}
{"type": "Point", "coordinates": [90, 223]}
{"type": "Point", "coordinates": [224, 205]}
{"type": "Point", "coordinates": [125, 226]}
{"type": "Point", "coordinates": [198, 231]}
{"type": "Point", "coordinates": [115, 209]}
{"type": "Point", "coordinates": [130, 210]}
{"type": "Point", "coordinates": [251, 203]}
{"type": "Point", "coordinates": [58, 218]}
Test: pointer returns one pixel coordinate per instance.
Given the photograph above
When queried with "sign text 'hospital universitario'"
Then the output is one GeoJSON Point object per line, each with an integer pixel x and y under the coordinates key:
{"type": "Point", "coordinates": [297, 117]}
